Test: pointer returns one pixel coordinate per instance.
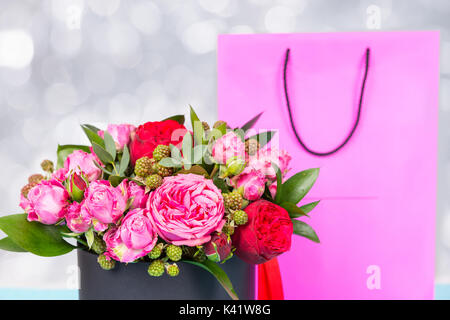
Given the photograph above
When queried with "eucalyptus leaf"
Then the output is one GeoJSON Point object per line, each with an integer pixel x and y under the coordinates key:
{"type": "Point", "coordinates": [178, 118]}
{"type": "Point", "coordinates": [125, 161]}
{"type": "Point", "coordinates": [102, 154]}
{"type": "Point", "coordinates": [9, 245]}
{"type": "Point", "coordinates": [89, 237]}
{"type": "Point", "coordinates": [64, 150]}
{"type": "Point", "coordinates": [115, 180]}
{"type": "Point", "coordinates": [219, 274]}
{"type": "Point", "coordinates": [35, 237]}
{"type": "Point", "coordinates": [92, 134]}
{"type": "Point", "coordinates": [199, 152]}
{"type": "Point", "coordinates": [307, 208]}
{"type": "Point", "coordinates": [102, 168]}
{"type": "Point", "coordinates": [198, 132]}
{"type": "Point", "coordinates": [195, 170]}
{"type": "Point", "coordinates": [170, 163]}
{"type": "Point", "coordinates": [110, 145]}
{"type": "Point", "coordinates": [175, 152]}
{"type": "Point", "coordinates": [305, 230]}
{"type": "Point", "coordinates": [187, 150]}
{"type": "Point", "coordinates": [297, 186]}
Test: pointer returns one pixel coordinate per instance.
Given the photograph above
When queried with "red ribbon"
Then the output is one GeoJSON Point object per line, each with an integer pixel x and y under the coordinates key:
{"type": "Point", "coordinates": [270, 285]}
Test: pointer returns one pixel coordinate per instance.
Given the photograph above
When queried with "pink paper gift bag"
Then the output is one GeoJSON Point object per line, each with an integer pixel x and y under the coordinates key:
{"type": "Point", "coordinates": [376, 218]}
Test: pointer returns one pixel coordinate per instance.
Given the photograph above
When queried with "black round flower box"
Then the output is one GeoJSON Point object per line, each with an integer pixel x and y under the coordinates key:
{"type": "Point", "coordinates": [132, 282]}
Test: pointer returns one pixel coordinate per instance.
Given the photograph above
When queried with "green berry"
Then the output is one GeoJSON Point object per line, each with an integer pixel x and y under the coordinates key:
{"type": "Point", "coordinates": [240, 217]}
{"type": "Point", "coordinates": [105, 262]}
{"type": "Point", "coordinates": [233, 200]}
{"type": "Point", "coordinates": [153, 181]}
{"type": "Point", "coordinates": [47, 166]}
{"type": "Point", "coordinates": [143, 166]}
{"type": "Point", "coordinates": [174, 253]}
{"type": "Point", "coordinates": [227, 229]}
{"type": "Point", "coordinates": [156, 251]}
{"type": "Point", "coordinates": [163, 171]}
{"type": "Point", "coordinates": [35, 178]}
{"type": "Point", "coordinates": [172, 270]}
{"type": "Point", "coordinates": [156, 268]}
{"type": "Point", "coordinates": [160, 152]}
{"type": "Point", "coordinates": [98, 246]}
{"type": "Point", "coordinates": [251, 146]}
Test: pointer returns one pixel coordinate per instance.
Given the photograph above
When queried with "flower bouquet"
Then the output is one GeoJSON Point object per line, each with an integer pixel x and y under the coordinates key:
{"type": "Point", "coordinates": [160, 194]}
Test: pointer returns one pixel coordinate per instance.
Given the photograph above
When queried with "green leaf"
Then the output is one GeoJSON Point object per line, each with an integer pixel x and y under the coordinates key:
{"type": "Point", "coordinates": [115, 180]}
{"type": "Point", "coordinates": [307, 208]}
{"type": "Point", "coordinates": [92, 134]}
{"type": "Point", "coordinates": [297, 186]}
{"type": "Point", "coordinates": [219, 274]}
{"type": "Point", "coordinates": [222, 129]}
{"type": "Point", "coordinates": [194, 116]}
{"type": "Point", "coordinates": [221, 184]}
{"type": "Point", "coordinates": [35, 237]}
{"type": "Point", "coordinates": [110, 145]}
{"type": "Point", "coordinates": [125, 161]}
{"type": "Point", "coordinates": [102, 154]}
{"type": "Point", "coordinates": [64, 150]}
{"type": "Point", "coordinates": [304, 230]}
{"type": "Point", "coordinates": [279, 184]}
{"type": "Point", "coordinates": [102, 168]}
{"type": "Point", "coordinates": [293, 210]}
{"type": "Point", "coordinates": [199, 152]}
{"type": "Point", "coordinates": [263, 138]}
{"type": "Point", "coordinates": [198, 132]}
{"type": "Point", "coordinates": [195, 170]}
{"type": "Point", "coordinates": [170, 163]}
{"type": "Point", "coordinates": [251, 122]}
{"type": "Point", "coordinates": [9, 245]}
{"type": "Point", "coordinates": [178, 118]}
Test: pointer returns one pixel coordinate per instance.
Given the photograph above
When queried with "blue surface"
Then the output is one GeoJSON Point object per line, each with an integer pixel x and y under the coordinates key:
{"type": "Point", "coordinates": [442, 292]}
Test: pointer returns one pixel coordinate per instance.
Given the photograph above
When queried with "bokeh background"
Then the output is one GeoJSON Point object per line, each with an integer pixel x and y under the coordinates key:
{"type": "Point", "coordinates": [66, 62]}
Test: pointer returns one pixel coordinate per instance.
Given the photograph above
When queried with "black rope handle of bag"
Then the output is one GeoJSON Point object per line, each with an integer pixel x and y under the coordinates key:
{"type": "Point", "coordinates": [355, 125]}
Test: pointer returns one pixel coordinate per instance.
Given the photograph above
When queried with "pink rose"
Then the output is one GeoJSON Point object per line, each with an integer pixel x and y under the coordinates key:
{"type": "Point", "coordinates": [133, 239]}
{"type": "Point", "coordinates": [121, 134]}
{"type": "Point", "coordinates": [77, 218]}
{"type": "Point", "coordinates": [186, 209]}
{"type": "Point", "coordinates": [228, 146]}
{"type": "Point", "coordinates": [262, 162]}
{"type": "Point", "coordinates": [137, 192]}
{"type": "Point", "coordinates": [82, 162]}
{"type": "Point", "coordinates": [104, 203]}
{"type": "Point", "coordinates": [251, 184]}
{"type": "Point", "coordinates": [46, 202]}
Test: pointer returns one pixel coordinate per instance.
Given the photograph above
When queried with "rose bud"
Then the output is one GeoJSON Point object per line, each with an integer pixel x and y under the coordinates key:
{"type": "Point", "coordinates": [76, 187]}
{"type": "Point", "coordinates": [226, 147]}
{"type": "Point", "coordinates": [233, 167]}
{"type": "Point", "coordinates": [251, 184]}
{"type": "Point", "coordinates": [267, 233]}
{"type": "Point", "coordinates": [219, 248]}
{"type": "Point", "coordinates": [82, 162]}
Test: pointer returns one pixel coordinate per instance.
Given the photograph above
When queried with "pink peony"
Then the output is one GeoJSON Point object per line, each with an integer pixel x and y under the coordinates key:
{"type": "Point", "coordinates": [133, 239]}
{"type": "Point", "coordinates": [60, 174]}
{"type": "Point", "coordinates": [77, 218]}
{"type": "Point", "coordinates": [104, 203]}
{"type": "Point", "coordinates": [228, 146]}
{"type": "Point", "coordinates": [46, 202]}
{"type": "Point", "coordinates": [186, 209]}
{"type": "Point", "coordinates": [121, 134]}
{"type": "Point", "coordinates": [82, 162]}
{"type": "Point", "coordinates": [137, 192]}
{"type": "Point", "coordinates": [262, 162]}
{"type": "Point", "coordinates": [251, 184]}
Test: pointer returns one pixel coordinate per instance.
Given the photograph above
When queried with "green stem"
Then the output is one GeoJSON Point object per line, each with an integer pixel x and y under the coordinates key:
{"type": "Point", "coordinates": [213, 172]}
{"type": "Point", "coordinates": [114, 167]}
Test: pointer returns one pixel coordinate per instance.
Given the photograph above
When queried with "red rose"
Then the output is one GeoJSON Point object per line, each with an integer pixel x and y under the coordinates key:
{"type": "Point", "coordinates": [218, 248]}
{"type": "Point", "coordinates": [267, 233]}
{"type": "Point", "coordinates": [149, 135]}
